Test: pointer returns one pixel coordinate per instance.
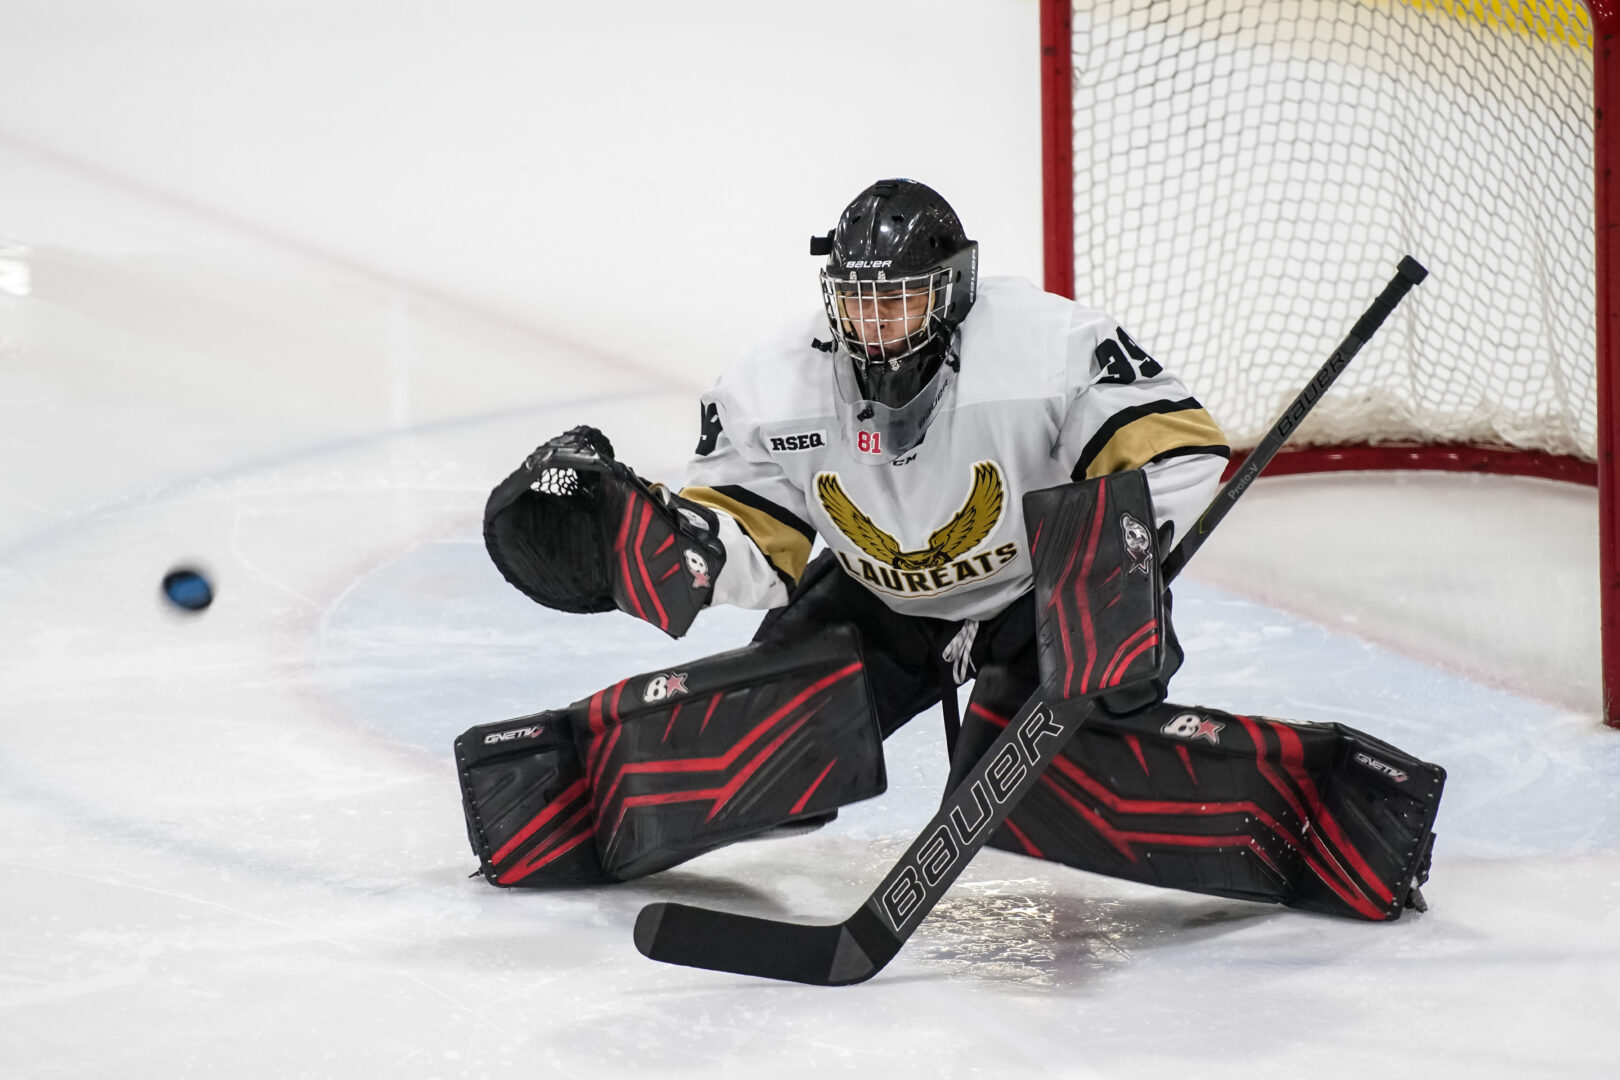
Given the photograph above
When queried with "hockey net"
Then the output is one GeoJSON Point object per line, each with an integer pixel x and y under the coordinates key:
{"type": "Point", "coordinates": [1245, 173]}
{"type": "Point", "coordinates": [1231, 179]}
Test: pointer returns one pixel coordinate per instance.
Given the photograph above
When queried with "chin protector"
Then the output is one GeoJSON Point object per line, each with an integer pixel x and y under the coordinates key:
{"type": "Point", "coordinates": [576, 530]}
{"type": "Point", "coordinates": [664, 766]}
{"type": "Point", "coordinates": [1102, 625]}
{"type": "Point", "coordinates": [1315, 816]}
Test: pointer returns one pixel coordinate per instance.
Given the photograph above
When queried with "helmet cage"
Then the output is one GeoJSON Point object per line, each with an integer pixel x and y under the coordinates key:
{"type": "Point", "coordinates": [870, 313]}
{"type": "Point", "coordinates": [886, 320]}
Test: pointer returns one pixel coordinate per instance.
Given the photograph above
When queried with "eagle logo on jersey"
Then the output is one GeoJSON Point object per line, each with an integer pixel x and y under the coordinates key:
{"type": "Point", "coordinates": [969, 528]}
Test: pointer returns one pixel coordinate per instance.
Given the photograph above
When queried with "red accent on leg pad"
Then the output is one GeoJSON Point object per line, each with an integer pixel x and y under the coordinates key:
{"type": "Point", "coordinates": [1317, 816]}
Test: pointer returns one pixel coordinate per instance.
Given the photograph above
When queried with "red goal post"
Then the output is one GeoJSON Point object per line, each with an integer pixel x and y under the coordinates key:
{"type": "Point", "coordinates": [1239, 171]}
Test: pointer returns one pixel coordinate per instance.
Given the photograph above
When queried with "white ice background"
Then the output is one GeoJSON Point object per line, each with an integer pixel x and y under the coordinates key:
{"type": "Point", "coordinates": [285, 288]}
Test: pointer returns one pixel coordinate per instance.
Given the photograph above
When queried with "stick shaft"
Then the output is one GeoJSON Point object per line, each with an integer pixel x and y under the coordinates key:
{"type": "Point", "coordinates": [1409, 273]}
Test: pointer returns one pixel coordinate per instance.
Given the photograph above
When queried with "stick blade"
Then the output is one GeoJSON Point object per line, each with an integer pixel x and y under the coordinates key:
{"type": "Point", "coordinates": [744, 945]}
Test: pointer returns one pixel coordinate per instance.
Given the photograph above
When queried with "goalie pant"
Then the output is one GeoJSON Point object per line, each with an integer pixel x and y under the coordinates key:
{"type": "Point", "coordinates": [661, 767]}
{"type": "Point", "coordinates": [1316, 816]}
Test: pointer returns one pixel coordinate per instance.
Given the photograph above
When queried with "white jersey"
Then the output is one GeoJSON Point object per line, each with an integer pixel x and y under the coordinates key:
{"type": "Point", "coordinates": [1048, 391]}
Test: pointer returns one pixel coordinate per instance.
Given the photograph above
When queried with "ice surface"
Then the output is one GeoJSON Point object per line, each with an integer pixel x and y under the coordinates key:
{"type": "Point", "coordinates": [231, 844]}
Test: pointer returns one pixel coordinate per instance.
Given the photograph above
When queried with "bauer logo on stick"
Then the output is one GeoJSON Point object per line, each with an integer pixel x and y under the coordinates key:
{"type": "Point", "coordinates": [1138, 545]}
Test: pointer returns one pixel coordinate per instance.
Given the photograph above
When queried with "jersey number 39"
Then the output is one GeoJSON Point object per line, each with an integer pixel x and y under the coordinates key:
{"type": "Point", "coordinates": [1124, 359]}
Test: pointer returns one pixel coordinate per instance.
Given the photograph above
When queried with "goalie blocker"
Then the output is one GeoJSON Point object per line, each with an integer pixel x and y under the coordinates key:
{"type": "Point", "coordinates": [662, 767]}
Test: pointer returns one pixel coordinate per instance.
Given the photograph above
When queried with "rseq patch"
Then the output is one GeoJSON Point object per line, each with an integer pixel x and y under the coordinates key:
{"type": "Point", "coordinates": [802, 440]}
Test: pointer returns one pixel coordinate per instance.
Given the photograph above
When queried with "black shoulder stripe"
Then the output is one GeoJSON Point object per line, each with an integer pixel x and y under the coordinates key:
{"type": "Point", "coordinates": [1121, 419]}
{"type": "Point", "coordinates": [765, 506]}
{"type": "Point", "coordinates": [1189, 451]}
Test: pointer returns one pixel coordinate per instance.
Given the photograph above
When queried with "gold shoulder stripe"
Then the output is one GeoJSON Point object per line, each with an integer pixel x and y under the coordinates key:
{"type": "Point", "coordinates": [1138, 442]}
{"type": "Point", "coordinates": [785, 546]}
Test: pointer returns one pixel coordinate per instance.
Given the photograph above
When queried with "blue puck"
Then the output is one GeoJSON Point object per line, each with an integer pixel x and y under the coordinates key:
{"type": "Point", "coordinates": [187, 589]}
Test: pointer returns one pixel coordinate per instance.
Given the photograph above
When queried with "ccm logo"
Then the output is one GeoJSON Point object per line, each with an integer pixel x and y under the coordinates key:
{"type": "Point", "coordinates": [532, 732]}
{"type": "Point", "coordinates": [806, 440]}
{"type": "Point", "coordinates": [934, 858]}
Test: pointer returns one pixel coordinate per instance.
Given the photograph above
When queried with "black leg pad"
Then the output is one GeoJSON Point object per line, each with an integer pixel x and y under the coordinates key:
{"type": "Point", "coordinates": [524, 796]}
{"type": "Point", "coordinates": [664, 766]}
{"type": "Point", "coordinates": [1316, 816]}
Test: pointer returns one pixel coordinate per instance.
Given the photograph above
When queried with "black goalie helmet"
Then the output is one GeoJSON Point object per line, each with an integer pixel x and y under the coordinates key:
{"type": "Point", "coordinates": [900, 278]}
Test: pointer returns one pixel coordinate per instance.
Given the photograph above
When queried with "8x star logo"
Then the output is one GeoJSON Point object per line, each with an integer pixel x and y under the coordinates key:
{"type": "Point", "coordinates": [663, 687]}
{"type": "Point", "coordinates": [1189, 725]}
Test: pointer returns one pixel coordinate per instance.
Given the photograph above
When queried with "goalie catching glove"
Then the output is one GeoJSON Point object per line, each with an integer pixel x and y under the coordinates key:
{"type": "Point", "coordinates": [576, 530]}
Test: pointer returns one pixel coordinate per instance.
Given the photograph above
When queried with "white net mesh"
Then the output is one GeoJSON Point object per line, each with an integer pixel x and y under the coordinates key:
{"type": "Point", "coordinates": [1247, 175]}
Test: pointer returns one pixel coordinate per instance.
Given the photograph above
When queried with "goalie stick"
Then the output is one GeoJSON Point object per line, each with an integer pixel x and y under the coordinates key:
{"type": "Point", "coordinates": [854, 950]}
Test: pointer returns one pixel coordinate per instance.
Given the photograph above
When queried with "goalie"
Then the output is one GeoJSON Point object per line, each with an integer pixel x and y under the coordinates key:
{"type": "Point", "coordinates": [903, 426]}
